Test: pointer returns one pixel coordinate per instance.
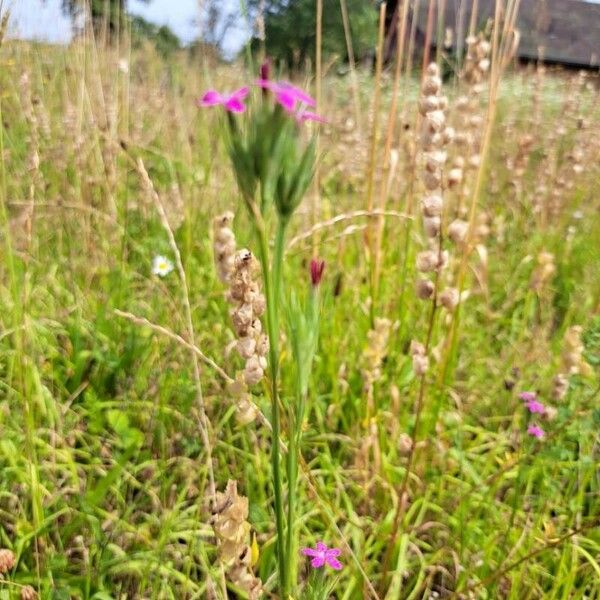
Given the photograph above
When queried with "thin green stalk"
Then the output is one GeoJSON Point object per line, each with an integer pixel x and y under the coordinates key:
{"type": "Point", "coordinates": [272, 283]}
{"type": "Point", "coordinates": [292, 472]}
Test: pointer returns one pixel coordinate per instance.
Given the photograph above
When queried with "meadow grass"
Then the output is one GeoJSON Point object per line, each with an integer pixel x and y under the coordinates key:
{"type": "Point", "coordinates": [104, 478]}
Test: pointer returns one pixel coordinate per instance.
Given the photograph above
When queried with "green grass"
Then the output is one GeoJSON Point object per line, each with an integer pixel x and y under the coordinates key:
{"type": "Point", "coordinates": [103, 480]}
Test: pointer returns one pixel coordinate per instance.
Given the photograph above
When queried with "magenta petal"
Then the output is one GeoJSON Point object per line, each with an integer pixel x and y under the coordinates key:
{"type": "Point", "coordinates": [318, 561]}
{"type": "Point", "coordinates": [311, 116]}
{"type": "Point", "coordinates": [286, 99]}
{"type": "Point", "coordinates": [333, 552]}
{"type": "Point", "coordinates": [334, 563]}
{"type": "Point", "coordinates": [211, 98]}
{"type": "Point", "coordinates": [310, 552]}
{"type": "Point", "coordinates": [241, 93]}
{"type": "Point", "coordinates": [321, 547]}
{"type": "Point", "coordinates": [235, 105]}
{"type": "Point", "coordinates": [299, 94]}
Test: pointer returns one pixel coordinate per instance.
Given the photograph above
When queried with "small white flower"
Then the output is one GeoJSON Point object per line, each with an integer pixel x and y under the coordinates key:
{"type": "Point", "coordinates": [161, 266]}
{"type": "Point", "coordinates": [123, 65]}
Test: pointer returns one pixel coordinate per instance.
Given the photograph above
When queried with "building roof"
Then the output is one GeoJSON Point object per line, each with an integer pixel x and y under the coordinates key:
{"type": "Point", "coordinates": [558, 31]}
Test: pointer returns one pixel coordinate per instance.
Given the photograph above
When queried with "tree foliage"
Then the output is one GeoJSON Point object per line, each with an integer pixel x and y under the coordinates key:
{"type": "Point", "coordinates": [290, 27]}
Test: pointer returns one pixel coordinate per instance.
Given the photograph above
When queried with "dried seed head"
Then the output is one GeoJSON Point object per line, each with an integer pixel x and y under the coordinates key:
{"type": "Point", "coordinates": [455, 176]}
{"type": "Point", "coordinates": [435, 121]}
{"type": "Point", "coordinates": [431, 180]}
{"type": "Point", "coordinates": [223, 245]}
{"type": "Point", "coordinates": [7, 560]}
{"type": "Point", "coordinates": [427, 261]}
{"type": "Point", "coordinates": [560, 386]}
{"type": "Point", "coordinates": [428, 104]}
{"type": "Point", "coordinates": [431, 226]}
{"type": "Point", "coordinates": [435, 160]}
{"type": "Point", "coordinates": [425, 289]}
{"type": "Point", "coordinates": [457, 231]}
{"type": "Point", "coordinates": [28, 593]}
{"type": "Point", "coordinates": [432, 84]}
{"type": "Point", "coordinates": [417, 348]}
{"type": "Point", "coordinates": [405, 444]}
{"type": "Point", "coordinates": [432, 205]}
{"type": "Point", "coordinates": [420, 364]}
{"type": "Point", "coordinates": [448, 135]}
{"type": "Point", "coordinates": [449, 299]}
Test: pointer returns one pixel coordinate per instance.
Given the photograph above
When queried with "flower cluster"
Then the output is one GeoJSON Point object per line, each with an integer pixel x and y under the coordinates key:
{"type": "Point", "coordinates": [229, 522]}
{"type": "Point", "coordinates": [249, 304]}
{"type": "Point", "coordinates": [468, 138]}
{"type": "Point", "coordinates": [240, 271]}
{"type": "Point", "coordinates": [535, 407]}
{"type": "Point", "coordinates": [436, 135]}
{"type": "Point", "coordinates": [477, 62]}
{"type": "Point", "coordinates": [291, 98]}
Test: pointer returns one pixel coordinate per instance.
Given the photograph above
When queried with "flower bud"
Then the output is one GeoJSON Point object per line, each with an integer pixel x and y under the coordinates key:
{"type": "Point", "coordinates": [316, 271]}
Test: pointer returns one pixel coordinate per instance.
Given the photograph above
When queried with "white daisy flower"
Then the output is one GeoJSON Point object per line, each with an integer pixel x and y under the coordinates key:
{"type": "Point", "coordinates": [161, 266]}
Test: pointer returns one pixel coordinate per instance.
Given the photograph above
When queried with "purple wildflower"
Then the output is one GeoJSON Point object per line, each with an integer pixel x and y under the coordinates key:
{"type": "Point", "coordinates": [233, 102]}
{"type": "Point", "coordinates": [528, 396]}
{"type": "Point", "coordinates": [535, 407]}
{"type": "Point", "coordinates": [536, 431]}
{"type": "Point", "coordinates": [322, 555]}
{"type": "Point", "coordinates": [286, 94]}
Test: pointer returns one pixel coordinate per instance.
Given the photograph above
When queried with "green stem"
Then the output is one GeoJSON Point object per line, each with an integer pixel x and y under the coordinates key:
{"type": "Point", "coordinates": [292, 472]}
{"type": "Point", "coordinates": [272, 283]}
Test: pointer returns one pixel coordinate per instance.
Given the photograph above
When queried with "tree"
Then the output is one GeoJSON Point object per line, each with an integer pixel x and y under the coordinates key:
{"type": "Point", "coordinates": [290, 28]}
{"type": "Point", "coordinates": [109, 13]}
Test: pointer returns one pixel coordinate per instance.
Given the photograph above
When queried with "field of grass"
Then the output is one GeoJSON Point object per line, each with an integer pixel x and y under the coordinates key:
{"type": "Point", "coordinates": [116, 408]}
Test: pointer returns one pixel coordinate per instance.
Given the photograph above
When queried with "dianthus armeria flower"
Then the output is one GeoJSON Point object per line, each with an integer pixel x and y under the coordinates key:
{"type": "Point", "coordinates": [286, 94]}
{"type": "Point", "coordinates": [527, 396]}
{"type": "Point", "coordinates": [233, 102]}
{"type": "Point", "coordinates": [534, 406]}
{"type": "Point", "coordinates": [161, 266]}
{"type": "Point", "coordinates": [536, 431]}
{"type": "Point", "coordinates": [322, 555]}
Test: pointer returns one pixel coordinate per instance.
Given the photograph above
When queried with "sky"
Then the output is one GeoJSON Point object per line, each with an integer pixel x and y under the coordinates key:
{"type": "Point", "coordinates": [44, 20]}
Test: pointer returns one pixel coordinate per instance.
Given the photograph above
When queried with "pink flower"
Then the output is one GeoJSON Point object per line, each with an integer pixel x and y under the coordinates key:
{"type": "Point", "coordinates": [535, 407]}
{"type": "Point", "coordinates": [527, 396]}
{"type": "Point", "coordinates": [233, 102]}
{"type": "Point", "coordinates": [307, 115]}
{"type": "Point", "coordinates": [322, 555]}
{"type": "Point", "coordinates": [286, 94]}
{"type": "Point", "coordinates": [316, 271]}
{"type": "Point", "coordinates": [536, 431]}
